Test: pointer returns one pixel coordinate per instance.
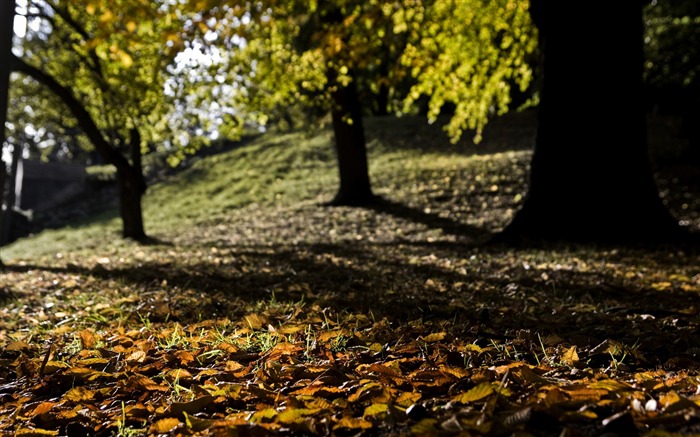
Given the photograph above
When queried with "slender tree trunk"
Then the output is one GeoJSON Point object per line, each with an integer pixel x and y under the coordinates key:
{"type": "Point", "coordinates": [351, 148]}
{"type": "Point", "coordinates": [591, 179]}
{"type": "Point", "coordinates": [132, 186]}
{"type": "Point", "coordinates": [7, 16]}
{"type": "Point", "coordinates": [130, 193]}
{"type": "Point", "coordinates": [130, 174]}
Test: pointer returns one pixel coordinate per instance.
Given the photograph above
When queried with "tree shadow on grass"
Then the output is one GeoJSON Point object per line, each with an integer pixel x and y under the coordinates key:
{"type": "Point", "coordinates": [472, 235]}
{"type": "Point", "coordinates": [486, 293]}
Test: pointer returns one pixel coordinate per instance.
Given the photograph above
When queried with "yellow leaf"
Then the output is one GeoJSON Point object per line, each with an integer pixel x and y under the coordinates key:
{"type": "Point", "coordinates": [131, 26]}
{"type": "Point", "coordinates": [17, 346]}
{"type": "Point", "coordinates": [669, 399]}
{"type": "Point", "coordinates": [375, 409]}
{"type": "Point", "coordinates": [140, 382]}
{"type": "Point", "coordinates": [570, 357]}
{"type": "Point", "coordinates": [254, 321]}
{"type": "Point", "coordinates": [479, 392]}
{"type": "Point", "coordinates": [263, 415]}
{"type": "Point", "coordinates": [125, 58]}
{"type": "Point", "coordinates": [164, 426]}
{"type": "Point", "coordinates": [660, 286]}
{"type": "Point", "coordinates": [353, 423]}
{"type": "Point", "coordinates": [34, 432]}
{"type": "Point", "coordinates": [435, 337]}
{"type": "Point", "coordinates": [294, 415]}
{"type": "Point", "coordinates": [610, 385]}
{"type": "Point", "coordinates": [406, 399]}
{"type": "Point", "coordinates": [425, 427]}
{"type": "Point", "coordinates": [79, 394]}
{"type": "Point", "coordinates": [106, 17]}
{"type": "Point", "coordinates": [90, 9]}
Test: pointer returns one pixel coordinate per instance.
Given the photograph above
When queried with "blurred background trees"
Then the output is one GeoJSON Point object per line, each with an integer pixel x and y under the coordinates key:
{"type": "Point", "coordinates": [108, 82]}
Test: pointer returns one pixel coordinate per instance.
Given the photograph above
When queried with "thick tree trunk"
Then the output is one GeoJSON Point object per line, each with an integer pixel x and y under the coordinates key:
{"type": "Point", "coordinates": [591, 179]}
{"type": "Point", "coordinates": [7, 15]}
{"type": "Point", "coordinates": [355, 188]}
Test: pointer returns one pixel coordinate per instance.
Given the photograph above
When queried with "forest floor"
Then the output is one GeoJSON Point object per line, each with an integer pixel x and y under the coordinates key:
{"type": "Point", "coordinates": [257, 311]}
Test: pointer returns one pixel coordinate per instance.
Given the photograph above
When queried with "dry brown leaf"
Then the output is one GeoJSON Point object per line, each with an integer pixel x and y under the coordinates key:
{"type": "Point", "coordinates": [570, 357]}
{"type": "Point", "coordinates": [254, 321]}
{"type": "Point", "coordinates": [185, 357]}
{"type": "Point", "coordinates": [192, 407]}
{"type": "Point", "coordinates": [17, 346]}
{"type": "Point", "coordinates": [87, 339]}
{"type": "Point", "coordinates": [406, 399]}
{"type": "Point", "coordinates": [140, 382]}
{"type": "Point", "coordinates": [385, 371]}
{"type": "Point", "coordinates": [138, 356]}
{"type": "Point", "coordinates": [43, 407]}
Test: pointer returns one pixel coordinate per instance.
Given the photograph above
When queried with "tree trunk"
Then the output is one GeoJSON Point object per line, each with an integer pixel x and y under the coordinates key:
{"type": "Point", "coordinates": [131, 181]}
{"type": "Point", "coordinates": [355, 188]}
{"type": "Point", "coordinates": [130, 193]}
{"type": "Point", "coordinates": [132, 186]}
{"type": "Point", "coordinates": [591, 179]}
{"type": "Point", "coordinates": [7, 16]}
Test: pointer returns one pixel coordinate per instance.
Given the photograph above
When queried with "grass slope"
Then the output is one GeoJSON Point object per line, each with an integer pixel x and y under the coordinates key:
{"type": "Point", "coordinates": [257, 311]}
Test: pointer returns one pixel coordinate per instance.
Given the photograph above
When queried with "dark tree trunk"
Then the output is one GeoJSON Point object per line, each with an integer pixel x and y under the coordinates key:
{"type": "Point", "coordinates": [591, 179]}
{"type": "Point", "coordinates": [130, 193]}
{"type": "Point", "coordinates": [7, 16]}
{"type": "Point", "coordinates": [132, 186]}
{"type": "Point", "coordinates": [355, 188]}
{"type": "Point", "coordinates": [131, 181]}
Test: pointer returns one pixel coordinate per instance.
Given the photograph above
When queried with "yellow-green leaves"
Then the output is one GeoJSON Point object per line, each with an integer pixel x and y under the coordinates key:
{"type": "Point", "coordinates": [468, 53]}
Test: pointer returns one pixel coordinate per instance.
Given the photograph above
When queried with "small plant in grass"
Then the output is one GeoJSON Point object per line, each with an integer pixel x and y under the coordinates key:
{"type": "Point", "coordinates": [127, 431]}
{"type": "Point", "coordinates": [339, 343]}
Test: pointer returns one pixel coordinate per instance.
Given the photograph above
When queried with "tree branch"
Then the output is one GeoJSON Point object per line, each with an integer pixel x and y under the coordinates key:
{"type": "Point", "coordinates": [87, 124]}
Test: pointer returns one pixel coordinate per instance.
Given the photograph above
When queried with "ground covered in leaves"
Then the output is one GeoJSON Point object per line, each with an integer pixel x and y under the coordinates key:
{"type": "Point", "coordinates": [291, 318]}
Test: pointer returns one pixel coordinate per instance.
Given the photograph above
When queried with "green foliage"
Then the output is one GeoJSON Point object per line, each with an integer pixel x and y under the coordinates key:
{"type": "Point", "coordinates": [672, 43]}
{"type": "Point", "coordinates": [117, 58]}
{"type": "Point", "coordinates": [293, 54]}
{"type": "Point", "coordinates": [470, 54]}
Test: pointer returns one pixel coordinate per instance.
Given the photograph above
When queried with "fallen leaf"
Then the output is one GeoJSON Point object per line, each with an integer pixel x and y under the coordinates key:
{"type": "Point", "coordinates": [570, 357]}
{"type": "Point", "coordinates": [164, 426]}
{"type": "Point", "coordinates": [474, 394]}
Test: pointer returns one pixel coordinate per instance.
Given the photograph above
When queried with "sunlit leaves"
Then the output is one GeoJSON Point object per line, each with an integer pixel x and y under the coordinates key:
{"type": "Point", "coordinates": [114, 57]}
{"type": "Point", "coordinates": [470, 54]}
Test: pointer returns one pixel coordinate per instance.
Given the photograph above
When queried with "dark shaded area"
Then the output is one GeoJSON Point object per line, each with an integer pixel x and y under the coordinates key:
{"type": "Point", "coordinates": [431, 220]}
{"type": "Point", "coordinates": [490, 293]}
{"type": "Point", "coordinates": [591, 179]}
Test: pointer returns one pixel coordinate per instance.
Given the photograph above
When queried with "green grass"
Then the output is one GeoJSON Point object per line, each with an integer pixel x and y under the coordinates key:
{"type": "Point", "coordinates": [278, 171]}
{"type": "Point", "coordinates": [387, 318]}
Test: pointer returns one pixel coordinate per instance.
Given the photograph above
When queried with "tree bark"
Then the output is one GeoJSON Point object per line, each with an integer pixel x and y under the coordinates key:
{"type": "Point", "coordinates": [130, 175]}
{"type": "Point", "coordinates": [355, 188]}
{"type": "Point", "coordinates": [7, 16]}
{"type": "Point", "coordinates": [130, 194]}
{"type": "Point", "coordinates": [591, 179]}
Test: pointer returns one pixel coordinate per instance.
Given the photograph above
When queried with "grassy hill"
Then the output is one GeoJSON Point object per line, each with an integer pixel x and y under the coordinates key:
{"type": "Point", "coordinates": [257, 310]}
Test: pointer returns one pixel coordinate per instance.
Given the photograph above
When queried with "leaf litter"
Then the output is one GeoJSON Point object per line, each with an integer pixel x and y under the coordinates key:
{"type": "Point", "coordinates": [388, 320]}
